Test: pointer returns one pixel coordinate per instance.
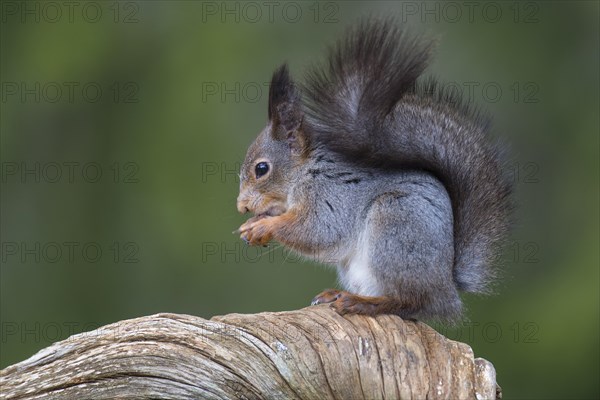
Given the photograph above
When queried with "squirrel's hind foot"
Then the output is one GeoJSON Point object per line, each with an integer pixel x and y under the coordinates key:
{"type": "Point", "coordinates": [326, 296]}
{"type": "Point", "coordinates": [348, 303]}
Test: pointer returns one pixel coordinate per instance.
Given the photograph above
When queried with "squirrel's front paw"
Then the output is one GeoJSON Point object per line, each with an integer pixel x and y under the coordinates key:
{"type": "Point", "coordinates": [257, 231]}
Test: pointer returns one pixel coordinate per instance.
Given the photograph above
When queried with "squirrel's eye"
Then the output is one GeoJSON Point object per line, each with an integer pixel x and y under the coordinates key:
{"type": "Point", "coordinates": [261, 169]}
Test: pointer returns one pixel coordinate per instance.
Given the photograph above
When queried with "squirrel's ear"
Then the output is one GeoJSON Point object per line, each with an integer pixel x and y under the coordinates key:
{"type": "Point", "coordinates": [285, 111]}
{"type": "Point", "coordinates": [298, 140]}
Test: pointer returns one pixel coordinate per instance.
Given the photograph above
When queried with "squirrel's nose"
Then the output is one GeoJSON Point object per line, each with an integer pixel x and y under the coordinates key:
{"type": "Point", "coordinates": [242, 206]}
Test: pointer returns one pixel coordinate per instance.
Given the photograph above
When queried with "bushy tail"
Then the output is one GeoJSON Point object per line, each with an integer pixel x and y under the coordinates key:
{"type": "Point", "coordinates": [366, 104]}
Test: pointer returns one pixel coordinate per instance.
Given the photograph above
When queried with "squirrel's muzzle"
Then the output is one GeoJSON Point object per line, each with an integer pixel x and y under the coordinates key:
{"type": "Point", "coordinates": [242, 205]}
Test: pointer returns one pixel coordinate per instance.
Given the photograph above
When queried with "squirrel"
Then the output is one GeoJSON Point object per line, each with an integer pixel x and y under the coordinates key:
{"type": "Point", "coordinates": [391, 178]}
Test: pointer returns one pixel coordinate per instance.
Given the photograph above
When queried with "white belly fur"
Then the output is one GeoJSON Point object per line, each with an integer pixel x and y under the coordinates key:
{"type": "Point", "coordinates": [356, 272]}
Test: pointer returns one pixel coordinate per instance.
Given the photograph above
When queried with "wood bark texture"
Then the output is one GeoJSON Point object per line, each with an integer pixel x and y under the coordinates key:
{"type": "Point", "coordinates": [312, 353]}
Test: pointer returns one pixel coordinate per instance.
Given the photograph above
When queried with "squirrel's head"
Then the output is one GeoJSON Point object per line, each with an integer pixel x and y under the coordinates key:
{"type": "Point", "coordinates": [273, 160]}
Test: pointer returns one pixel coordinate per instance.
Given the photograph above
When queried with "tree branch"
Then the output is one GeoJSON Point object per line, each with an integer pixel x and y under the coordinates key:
{"type": "Point", "coordinates": [311, 353]}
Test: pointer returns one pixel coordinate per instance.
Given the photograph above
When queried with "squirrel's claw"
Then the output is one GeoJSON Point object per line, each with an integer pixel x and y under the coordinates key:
{"type": "Point", "coordinates": [326, 296]}
{"type": "Point", "coordinates": [256, 232]}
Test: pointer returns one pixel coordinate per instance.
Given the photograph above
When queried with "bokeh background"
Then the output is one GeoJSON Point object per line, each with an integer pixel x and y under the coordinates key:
{"type": "Point", "coordinates": [123, 126]}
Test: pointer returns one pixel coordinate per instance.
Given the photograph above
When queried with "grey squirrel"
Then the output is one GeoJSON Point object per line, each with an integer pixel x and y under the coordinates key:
{"type": "Point", "coordinates": [389, 177]}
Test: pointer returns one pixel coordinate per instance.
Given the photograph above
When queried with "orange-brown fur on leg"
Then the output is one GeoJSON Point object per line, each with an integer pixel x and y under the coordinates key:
{"type": "Point", "coordinates": [348, 303]}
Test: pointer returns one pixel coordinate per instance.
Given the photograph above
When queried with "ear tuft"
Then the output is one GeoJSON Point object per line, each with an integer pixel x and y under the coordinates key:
{"type": "Point", "coordinates": [284, 101]}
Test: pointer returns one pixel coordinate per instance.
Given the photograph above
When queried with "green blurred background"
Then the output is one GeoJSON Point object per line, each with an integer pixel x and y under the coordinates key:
{"type": "Point", "coordinates": [123, 125]}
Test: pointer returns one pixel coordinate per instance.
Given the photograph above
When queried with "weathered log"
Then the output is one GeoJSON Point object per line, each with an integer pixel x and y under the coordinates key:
{"type": "Point", "coordinates": [311, 353]}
